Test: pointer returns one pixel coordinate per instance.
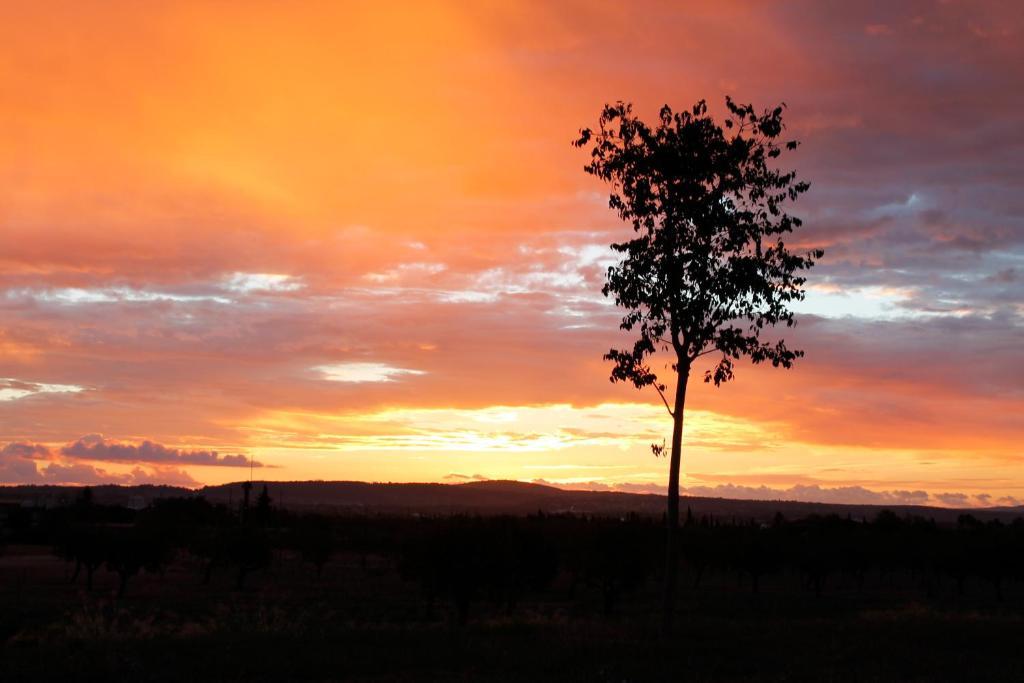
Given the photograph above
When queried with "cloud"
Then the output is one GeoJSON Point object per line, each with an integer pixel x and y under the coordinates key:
{"type": "Point", "coordinates": [24, 450]}
{"type": "Point", "coordinates": [627, 487]}
{"type": "Point", "coordinates": [95, 447]}
{"type": "Point", "coordinates": [13, 389]}
{"type": "Point", "coordinates": [18, 469]}
{"type": "Point", "coordinates": [78, 296]}
{"type": "Point", "coordinates": [163, 476]}
{"type": "Point", "coordinates": [22, 463]}
{"type": "Point", "coordinates": [359, 373]}
{"type": "Point", "coordinates": [262, 282]}
{"type": "Point", "coordinates": [815, 494]}
{"type": "Point", "coordinates": [953, 499]}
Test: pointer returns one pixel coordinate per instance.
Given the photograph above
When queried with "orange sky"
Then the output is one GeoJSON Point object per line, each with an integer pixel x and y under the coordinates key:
{"type": "Point", "coordinates": [354, 242]}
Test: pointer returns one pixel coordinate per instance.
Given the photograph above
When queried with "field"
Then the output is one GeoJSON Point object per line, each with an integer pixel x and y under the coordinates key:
{"type": "Point", "coordinates": [265, 594]}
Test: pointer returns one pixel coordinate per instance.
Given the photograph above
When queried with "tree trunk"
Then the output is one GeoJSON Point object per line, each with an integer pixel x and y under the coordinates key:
{"type": "Point", "coordinates": [672, 520]}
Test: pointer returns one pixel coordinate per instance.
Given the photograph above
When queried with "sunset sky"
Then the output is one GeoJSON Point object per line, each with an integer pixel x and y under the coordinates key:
{"type": "Point", "coordinates": [353, 241]}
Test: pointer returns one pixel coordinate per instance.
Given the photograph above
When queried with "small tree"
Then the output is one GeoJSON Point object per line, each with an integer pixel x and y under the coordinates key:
{"type": "Point", "coordinates": [708, 269]}
{"type": "Point", "coordinates": [264, 510]}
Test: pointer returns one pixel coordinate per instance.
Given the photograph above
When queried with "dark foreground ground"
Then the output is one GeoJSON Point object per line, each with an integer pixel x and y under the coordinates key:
{"type": "Point", "coordinates": [225, 596]}
{"type": "Point", "coordinates": [348, 627]}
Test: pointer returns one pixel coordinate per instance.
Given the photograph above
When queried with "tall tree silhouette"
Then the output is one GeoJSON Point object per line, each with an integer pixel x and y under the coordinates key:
{"type": "Point", "coordinates": [708, 269]}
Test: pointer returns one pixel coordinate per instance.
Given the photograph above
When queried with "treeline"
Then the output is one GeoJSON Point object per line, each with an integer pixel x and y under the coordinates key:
{"type": "Point", "coordinates": [502, 561]}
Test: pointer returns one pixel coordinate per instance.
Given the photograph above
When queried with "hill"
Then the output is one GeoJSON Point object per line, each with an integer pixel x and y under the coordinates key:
{"type": "Point", "coordinates": [482, 497]}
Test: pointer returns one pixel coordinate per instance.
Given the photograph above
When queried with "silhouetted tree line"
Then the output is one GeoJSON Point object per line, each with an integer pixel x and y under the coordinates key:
{"type": "Point", "coordinates": [466, 561]}
{"type": "Point", "coordinates": [820, 549]}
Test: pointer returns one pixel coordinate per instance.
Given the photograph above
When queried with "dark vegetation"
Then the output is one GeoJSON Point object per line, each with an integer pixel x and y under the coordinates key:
{"type": "Point", "coordinates": [186, 588]}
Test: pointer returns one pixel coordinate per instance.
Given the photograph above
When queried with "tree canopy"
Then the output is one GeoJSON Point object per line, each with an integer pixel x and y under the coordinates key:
{"type": "Point", "coordinates": [708, 269]}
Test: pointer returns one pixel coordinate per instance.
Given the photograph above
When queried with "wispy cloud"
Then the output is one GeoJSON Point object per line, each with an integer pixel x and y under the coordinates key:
{"type": "Point", "coordinates": [262, 282]}
{"type": "Point", "coordinates": [358, 373]}
{"type": "Point", "coordinates": [13, 389]}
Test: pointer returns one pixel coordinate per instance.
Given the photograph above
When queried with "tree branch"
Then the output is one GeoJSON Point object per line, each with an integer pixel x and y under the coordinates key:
{"type": "Point", "coordinates": [664, 400]}
{"type": "Point", "coordinates": [704, 352]}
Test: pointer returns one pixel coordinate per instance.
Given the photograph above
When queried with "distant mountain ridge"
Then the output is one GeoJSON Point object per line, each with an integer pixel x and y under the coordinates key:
{"type": "Point", "coordinates": [478, 497]}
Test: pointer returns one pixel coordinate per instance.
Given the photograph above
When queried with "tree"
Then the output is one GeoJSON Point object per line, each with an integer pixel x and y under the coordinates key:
{"type": "Point", "coordinates": [263, 510]}
{"type": "Point", "coordinates": [708, 270]}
